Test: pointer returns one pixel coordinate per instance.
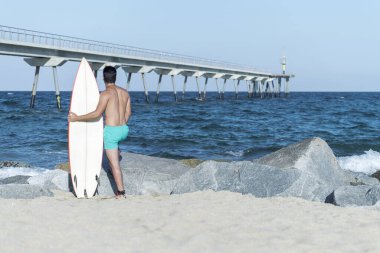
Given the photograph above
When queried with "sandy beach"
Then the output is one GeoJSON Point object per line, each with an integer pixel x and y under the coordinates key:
{"type": "Point", "coordinates": [195, 222]}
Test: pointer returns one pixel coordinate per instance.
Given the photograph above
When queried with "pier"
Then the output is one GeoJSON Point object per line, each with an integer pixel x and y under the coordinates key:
{"type": "Point", "coordinates": [41, 49]}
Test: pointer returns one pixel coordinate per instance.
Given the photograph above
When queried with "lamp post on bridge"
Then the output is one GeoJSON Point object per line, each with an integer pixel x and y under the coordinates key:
{"type": "Point", "coordinates": [283, 64]}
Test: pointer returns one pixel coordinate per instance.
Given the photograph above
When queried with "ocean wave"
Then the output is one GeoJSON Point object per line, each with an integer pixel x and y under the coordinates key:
{"type": "Point", "coordinates": [239, 153]}
{"type": "Point", "coordinates": [367, 163]}
{"type": "Point", "coordinates": [212, 126]}
{"type": "Point", "coordinates": [252, 153]}
{"type": "Point", "coordinates": [10, 103]}
{"type": "Point", "coordinates": [164, 154]}
{"type": "Point", "coordinates": [24, 171]}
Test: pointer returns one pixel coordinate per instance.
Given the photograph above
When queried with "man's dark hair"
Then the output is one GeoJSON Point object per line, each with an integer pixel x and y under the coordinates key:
{"type": "Point", "coordinates": [109, 74]}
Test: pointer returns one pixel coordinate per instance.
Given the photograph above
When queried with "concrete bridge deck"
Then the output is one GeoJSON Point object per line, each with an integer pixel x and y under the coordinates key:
{"type": "Point", "coordinates": [52, 50]}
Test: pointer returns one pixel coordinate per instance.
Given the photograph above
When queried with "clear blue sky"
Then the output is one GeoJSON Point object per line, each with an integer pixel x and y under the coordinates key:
{"type": "Point", "coordinates": [330, 45]}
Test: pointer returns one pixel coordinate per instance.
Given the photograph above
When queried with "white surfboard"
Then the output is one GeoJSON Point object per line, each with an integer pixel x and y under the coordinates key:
{"type": "Point", "coordinates": [85, 138]}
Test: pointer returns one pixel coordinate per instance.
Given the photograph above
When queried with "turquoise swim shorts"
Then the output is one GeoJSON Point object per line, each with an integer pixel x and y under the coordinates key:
{"type": "Point", "coordinates": [113, 135]}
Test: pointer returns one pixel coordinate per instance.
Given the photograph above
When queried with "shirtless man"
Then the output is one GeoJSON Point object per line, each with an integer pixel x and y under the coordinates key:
{"type": "Point", "coordinates": [116, 104]}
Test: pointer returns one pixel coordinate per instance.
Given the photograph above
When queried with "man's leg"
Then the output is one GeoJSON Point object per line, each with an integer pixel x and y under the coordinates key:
{"type": "Point", "coordinates": [113, 157]}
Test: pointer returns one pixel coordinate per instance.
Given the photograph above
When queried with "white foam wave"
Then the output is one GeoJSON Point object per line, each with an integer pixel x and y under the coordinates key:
{"type": "Point", "coordinates": [368, 163]}
{"type": "Point", "coordinates": [10, 93]}
{"type": "Point", "coordinates": [236, 153]}
{"type": "Point", "coordinates": [24, 171]}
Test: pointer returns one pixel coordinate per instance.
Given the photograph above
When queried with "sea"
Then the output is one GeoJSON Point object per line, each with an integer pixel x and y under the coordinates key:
{"type": "Point", "coordinates": [230, 129]}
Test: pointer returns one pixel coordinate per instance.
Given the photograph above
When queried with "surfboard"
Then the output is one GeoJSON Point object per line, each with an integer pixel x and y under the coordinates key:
{"type": "Point", "coordinates": [85, 138]}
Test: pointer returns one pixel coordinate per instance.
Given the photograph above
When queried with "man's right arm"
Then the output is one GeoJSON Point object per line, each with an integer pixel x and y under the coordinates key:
{"type": "Point", "coordinates": [128, 109]}
{"type": "Point", "coordinates": [101, 107]}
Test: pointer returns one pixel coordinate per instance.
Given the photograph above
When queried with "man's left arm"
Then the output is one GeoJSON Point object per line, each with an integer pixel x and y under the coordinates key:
{"type": "Point", "coordinates": [92, 115]}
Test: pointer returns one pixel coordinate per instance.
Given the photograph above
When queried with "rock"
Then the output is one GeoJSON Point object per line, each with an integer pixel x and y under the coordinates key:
{"type": "Point", "coordinates": [53, 179]}
{"type": "Point", "coordinates": [359, 178]}
{"type": "Point", "coordinates": [307, 169]}
{"type": "Point", "coordinates": [373, 194]}
{"type": "Point", "coordinates": [62, 182]}
{"type": "Point", "coordinates": [351, 196]}
{"type": "Point", "coordinates": [143, 175]}
{"type": "Point", "coordinates": [376, 175]}
{"type": "Point", "coordinates": [13, 164]}
{"type": "Point", "coordinates": [19, 179]}
{"type": "Point", "coordinates": [244, 177]}
{"type": "Point", "coordinates": [63, 166]}
{"type": "Point", "coordinates": [23, 191]}
{"type": "Point", "coordinates": [320, 173]}
{"type": "Point", "coordinates": [191, 162]}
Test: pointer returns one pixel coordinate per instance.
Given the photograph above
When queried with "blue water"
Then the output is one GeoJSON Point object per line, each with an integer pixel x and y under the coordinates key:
{"type": "Point", "coordinates": [232, 129]}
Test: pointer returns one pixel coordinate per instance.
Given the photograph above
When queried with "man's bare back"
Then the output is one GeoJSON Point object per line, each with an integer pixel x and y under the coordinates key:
{"type": "Point", "coordinates": [118, 106]}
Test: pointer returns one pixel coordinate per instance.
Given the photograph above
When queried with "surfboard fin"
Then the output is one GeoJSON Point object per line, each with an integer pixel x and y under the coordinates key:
{"type": "Point", "coordinates": [98, 181]}
{"type": "Point", "coordinates": [75, 181]}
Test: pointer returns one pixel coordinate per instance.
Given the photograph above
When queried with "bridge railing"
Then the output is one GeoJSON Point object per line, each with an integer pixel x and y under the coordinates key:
{"type": "Point", "coordinates": [67, 42]}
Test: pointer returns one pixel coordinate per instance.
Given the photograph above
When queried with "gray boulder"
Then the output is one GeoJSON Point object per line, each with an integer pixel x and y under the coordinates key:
{"type": "Point", "coordinates": [320, 173]}
{"type": "Point", "coordinates": [307, 169]}
{"type": "Point", "coordinates": [53, 179]}
{"type": "Point", "coordinates": [13, 164]}
{"type": "Point", "coordinates": [244, 177]}
{"type": "Point", "coordinates": [373, 194]}
{"type": "Point", "coordinates": [19, 179]}
{"type": "Point", "coordinates": [143, 175]}
{"type": "Point", "coordinates": [361, 195]}
{"type": "Point", "coordinates": [351, 196]}
{"type": "Point", "coordinates": [359, 178]}
{"type": "Point", "coordinates": [23, 191]}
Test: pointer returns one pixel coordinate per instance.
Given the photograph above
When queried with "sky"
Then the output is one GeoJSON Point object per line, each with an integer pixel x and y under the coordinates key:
{"type": "Point", "coordinates": [329, 45]}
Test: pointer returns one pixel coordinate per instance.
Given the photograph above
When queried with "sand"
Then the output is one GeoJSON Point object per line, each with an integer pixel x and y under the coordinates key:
{"type": "Point", "coordinates": [195, 222]}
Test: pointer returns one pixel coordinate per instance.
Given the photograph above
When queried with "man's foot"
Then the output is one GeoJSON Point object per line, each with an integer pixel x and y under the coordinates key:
{"type": "Point", "coordinates": [120, 194]}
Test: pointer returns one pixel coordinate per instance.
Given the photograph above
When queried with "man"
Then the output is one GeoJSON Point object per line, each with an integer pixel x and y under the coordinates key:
{"type": "Point", "coordinates": [116, 104]}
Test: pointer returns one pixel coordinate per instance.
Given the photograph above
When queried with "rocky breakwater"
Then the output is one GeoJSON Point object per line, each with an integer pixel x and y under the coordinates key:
{"type": "Point", "coordinates": [307, 169]}
{"type": "Point", "coordinates": [17, 186]}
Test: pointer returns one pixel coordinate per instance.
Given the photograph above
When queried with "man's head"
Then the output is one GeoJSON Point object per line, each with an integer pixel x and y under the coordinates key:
{"type": "Point", "coordinates": [109, 74]}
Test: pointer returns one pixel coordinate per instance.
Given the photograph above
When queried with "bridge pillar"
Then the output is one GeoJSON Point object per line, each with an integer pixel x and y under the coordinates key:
{"type": "Point", "coordinates": [129, 77]}
{"type": "Point", "coordinates": [279, 86]}
{"type": "Point", "coordinates": [251, 89]}
{"type": "Point", "coordinates": [273, 90]}
{"type": "Point", "coordinates": [224, 88]}
{"type": "Point", "coordinates": [34, 89]}
{"type": "Point", "coordinates": [184, 87]}
{"type": "Point", "coordinates": [199, 90]}
{"type": "Point", "coordinates": [57, 93]}
{"type": "Point", "coordinates": [261, 89]}
{"type": "Point", "coordinates": [145, 88]}
{"type": "Point", "coordinates": [39, 62]}
{"type": "Point", "coordinates": [174, 89]}
{"type": "Point", "coordinates": [248, 89]}
{"type": "Point", "coordinates": [236, 89]}
{"type": "Point", "coordinates": [265, 89]}
{"type": "Point", "coordinates": [254, 89]}
{"type": "Point", "coordinates": [95, 66]}
{"type": "Point", "coordinates": [158, 87]}
{"type": "Point", "coordinates": [287, 87]}
{"type": "Point", "coordinates": [205, 88]}
{"type": "Point", "coordinates": [217, 88]}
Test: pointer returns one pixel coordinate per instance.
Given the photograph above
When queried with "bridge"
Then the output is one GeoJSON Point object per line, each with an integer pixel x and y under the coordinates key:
{"type": "Point", "coordinates": [41, 49]}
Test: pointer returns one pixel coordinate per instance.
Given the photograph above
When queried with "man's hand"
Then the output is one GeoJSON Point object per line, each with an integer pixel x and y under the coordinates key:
{"type": "Point", "coordinates": [72, 117]}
